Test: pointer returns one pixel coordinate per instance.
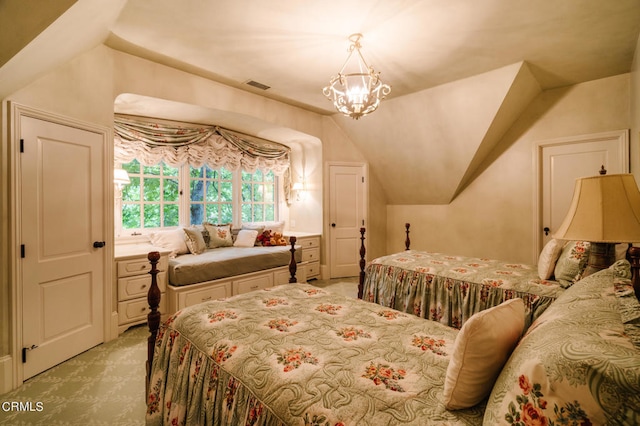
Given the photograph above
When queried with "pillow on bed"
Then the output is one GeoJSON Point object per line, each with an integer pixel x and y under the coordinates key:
{"type": "Point", "coordinates": [481, 349]}
{"type": "Point", "coordinates": [246, 238]}
{"type": "Point", "coordinates": [195, 240]}
{"type": "Point", "coordinates": [572, 262]}
{"type": "Point", "coordinates": [259, 228]}
{"type": "Point", "coordinates": [173, 240]}
{"type": "Point", "coordinates": [548, 258]}
{"type": "Point", "coordinates": [219, 235]}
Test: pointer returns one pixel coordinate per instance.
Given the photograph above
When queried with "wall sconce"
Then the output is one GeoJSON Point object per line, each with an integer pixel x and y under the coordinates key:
{"type": "Point", "coordinates": [120, 178]}
{"type": "Point", "coordinates": [298, 190]}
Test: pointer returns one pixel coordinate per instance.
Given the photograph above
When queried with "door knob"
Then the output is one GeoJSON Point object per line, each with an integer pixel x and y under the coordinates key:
{"type": "Point", "coordinates": [333, 225]}
{"type": "Point", "coordinates": [99, 244]}
{"type": "Point", "coordinates": [546, 230]}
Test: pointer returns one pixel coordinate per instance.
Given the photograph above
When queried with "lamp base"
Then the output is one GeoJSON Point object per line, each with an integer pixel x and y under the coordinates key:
{"type": "Point", "coordinates": [601, 256]}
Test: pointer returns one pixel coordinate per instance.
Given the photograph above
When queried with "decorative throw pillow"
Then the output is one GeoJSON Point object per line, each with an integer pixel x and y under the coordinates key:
{"type": "Point", "coordinates": [173, 240]}
{"type": "Point", "coordinates": [572, 262]}
{"type": "Point", "coordinates": [195, 240]}
{"type": "Point", "coordinates": [259, 228]}
{"type": "Point", "coordinates": [481, 349]}
{"type": "Point", "coordinates": [219, 235]}
{"type": "Point", "coordinates": [548, 258]}
{"type": "Point", "coordinates": [246, 238]}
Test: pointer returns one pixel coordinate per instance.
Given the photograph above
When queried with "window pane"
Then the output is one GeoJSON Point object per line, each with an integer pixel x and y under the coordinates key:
{"type": "Point", "coordinates": [151, 189]}
{"type": "Point", "coordinates": [212, 213]}
{"type": "Point", "coordinates": [197, 213]}
{"type": "Point", "coordinates": [269, 212]}
{"type": "Point", "coordinates": [171, 217]}
{"type": "Point", "coordinates": [212, 191]}
{"type": "Point", "coordinates": [132, 167]}
{"type": "Point", "coordinates": [269, 195]}
{"type": "Point", "coordinates": [131, 192]}
{"type": "Point", "coordinates": [197, 190]}
{"type": "Point", "coordinates": [152, 215]}
{"type": "Point", "coordinates": [257, 176]}
{"type": "Point", "coordinates": [169, 171]}
{"type": "Point", "coordinates": [171, 190]}
{"type": "Point", "coordinates": [246, 192]}
{"type": "Point", "coordinates": [269, 177]}
{"type": "Point", "coordinates": [246, 176]}
{"type": "Point", "coordinates": [131, 216]}
{"type": "Point", "coordinates": [257, 192]}
{"type": "Point", "coordinates": [151, 170]}
{"type": "Point", "coordinates": [246, 212]}
{"type": "Point", "coordinates": [225, 174]}
{"type": "Point", "coordinates": [226, 191]}
{"type": "Point", "coordinates": [258, 212]}
{"type": "Point", "coordinates": [226, 213]}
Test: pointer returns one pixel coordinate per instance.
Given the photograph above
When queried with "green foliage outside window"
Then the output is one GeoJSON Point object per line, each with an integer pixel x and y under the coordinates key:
{"type": "Point", "coordinates": [152, 198]}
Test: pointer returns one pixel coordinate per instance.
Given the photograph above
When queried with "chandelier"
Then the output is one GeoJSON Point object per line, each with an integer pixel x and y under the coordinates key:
{"type": "Point", "coordinates": [357, 89]}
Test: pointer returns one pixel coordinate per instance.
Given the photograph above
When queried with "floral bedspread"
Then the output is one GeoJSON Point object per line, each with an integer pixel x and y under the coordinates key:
{"type": "Point", "coordinates": [449, 289]}
{"type": "Point", "coordinates": [298, 355]}
{"type": "Point", "coordinates": [577, 364]}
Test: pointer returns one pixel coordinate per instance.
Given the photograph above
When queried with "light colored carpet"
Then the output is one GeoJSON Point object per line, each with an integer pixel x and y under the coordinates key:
{"type": "Point", "coordinates": [103, 386]}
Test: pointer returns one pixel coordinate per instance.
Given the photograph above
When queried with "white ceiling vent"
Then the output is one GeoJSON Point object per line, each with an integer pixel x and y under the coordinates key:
{"type": "Point", "coordinates": [257, 85]}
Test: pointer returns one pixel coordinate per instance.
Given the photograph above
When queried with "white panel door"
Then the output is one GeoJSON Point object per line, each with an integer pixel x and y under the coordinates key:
{"type": "Point", "coordinates": [568, 160]}
{"type": "Point", "coordinates": [347, 213]}
{"type": "Point", "coordinates": [62, 215]}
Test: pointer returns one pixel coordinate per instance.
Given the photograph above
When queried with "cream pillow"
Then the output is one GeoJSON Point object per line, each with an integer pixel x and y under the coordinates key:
{"type": "Point", "coordinates": [246, 238]}
{"type": "Point", "coordinates": [481, 349]}
{"type": "Point", "coordinates": [173, 240]}
{"type": "Point", "coordinates": [548, 258]}
{"type": "Point", "coordinates": [195, 240]}
{"type": "Point", "coordinates": [219, 235]}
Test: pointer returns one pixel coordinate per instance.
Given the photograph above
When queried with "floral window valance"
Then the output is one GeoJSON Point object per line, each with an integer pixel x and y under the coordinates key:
{"type": "Point", "coordinates": [152, 142]}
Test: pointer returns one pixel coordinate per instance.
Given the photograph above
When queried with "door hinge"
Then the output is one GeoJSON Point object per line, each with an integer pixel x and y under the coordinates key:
{"type": "Point", "coordinates": [22, 251]}
{"type": "Point", "coordinates": [24, 352]}
{"type": "Point", "coordinates": [21, 145]}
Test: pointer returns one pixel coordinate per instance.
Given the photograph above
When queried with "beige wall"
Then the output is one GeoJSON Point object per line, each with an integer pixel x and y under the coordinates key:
{"type": "Point", "coordinates": [85, 89]}
{"type": "Point", "coordinates": [493, 217]}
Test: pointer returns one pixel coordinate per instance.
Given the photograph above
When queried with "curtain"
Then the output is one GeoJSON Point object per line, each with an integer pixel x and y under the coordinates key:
{"type": "Point", "coordinates": [153, 142]}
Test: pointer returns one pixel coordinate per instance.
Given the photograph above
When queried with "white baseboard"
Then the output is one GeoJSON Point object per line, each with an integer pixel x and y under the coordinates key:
{"type": "Point", "coordinates": [6, 374]}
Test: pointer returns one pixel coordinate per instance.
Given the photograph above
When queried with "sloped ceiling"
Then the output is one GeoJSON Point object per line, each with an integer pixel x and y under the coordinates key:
{"type": "Point", "coordinates": [461, 71]}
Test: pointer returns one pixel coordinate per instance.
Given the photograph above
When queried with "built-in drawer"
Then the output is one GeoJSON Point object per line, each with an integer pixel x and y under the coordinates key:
{"type": "Point", "coordinates": [136, 310]}
{"type": "Point", "coordinates": [252, 284]}
{"type": "Point", "coordinates": [139, 266]}
{"type": "Point", "coordinates": [308, 242]}
{"type": "Point", "coordinates": [138, 285]}
{"type": "Point", "coordinates": [313, 269]}
{"type": "Point", "coordinates": [311, 254]}
{"type": "Point", "coordinates": [198, 296]}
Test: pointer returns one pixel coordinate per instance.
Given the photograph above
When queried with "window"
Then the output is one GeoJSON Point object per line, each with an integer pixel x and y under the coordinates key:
{"type": "Point", "coordinates": [211, 195]}
{"type": "Point", "coordinates": [153, 199]}
{"type": "Point", "coordinates": [258, 196]}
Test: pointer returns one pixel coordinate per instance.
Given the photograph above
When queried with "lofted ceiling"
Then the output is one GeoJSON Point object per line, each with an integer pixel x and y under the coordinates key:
{"type": "Point", "coordinates": [484, 60]}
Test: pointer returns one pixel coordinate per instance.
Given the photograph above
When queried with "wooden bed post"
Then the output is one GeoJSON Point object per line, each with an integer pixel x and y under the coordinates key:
{"type": "Point", "coordinates": [363, 263]}
{"type": "Point", "coordinates": [153, 318]}
{"type": "Point", "coordinates": [633, 254]}
{"type": "Point", "coordinates": [292, 263]}
{"type": "Point", "coordinates": [407, 241]}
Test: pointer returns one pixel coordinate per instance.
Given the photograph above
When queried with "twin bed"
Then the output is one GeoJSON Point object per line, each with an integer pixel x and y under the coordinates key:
{"type": "Point", "coordinates": [296, 354]}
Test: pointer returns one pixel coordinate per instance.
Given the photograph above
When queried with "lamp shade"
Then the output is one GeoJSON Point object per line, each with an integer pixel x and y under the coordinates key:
{"type": "Point", "coordinates": [605, 208]}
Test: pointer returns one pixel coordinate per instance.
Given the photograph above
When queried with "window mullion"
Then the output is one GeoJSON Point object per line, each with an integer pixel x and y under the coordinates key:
{"type": "Point", "coordinates": [184, 207]}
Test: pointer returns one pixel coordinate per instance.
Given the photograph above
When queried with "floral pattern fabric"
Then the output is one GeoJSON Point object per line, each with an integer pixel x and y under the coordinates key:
{"type": "Point", "coordinates": [575, 365]}
{"type": "Point", "coordinates": [298, 355]}
{"type": "Point", "coordinates": [449, 289]}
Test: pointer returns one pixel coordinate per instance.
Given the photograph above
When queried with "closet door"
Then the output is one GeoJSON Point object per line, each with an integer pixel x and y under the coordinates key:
{"type": "Point", "coordinates": [62, 237]}
{"type": "Point", "coordinates": [565, 160]}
